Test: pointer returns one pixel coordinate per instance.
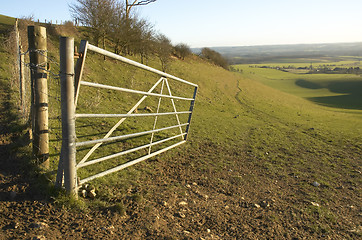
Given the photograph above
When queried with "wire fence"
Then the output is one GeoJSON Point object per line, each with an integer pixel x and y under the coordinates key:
{"type": "Point", "coordinates": [24, 70]}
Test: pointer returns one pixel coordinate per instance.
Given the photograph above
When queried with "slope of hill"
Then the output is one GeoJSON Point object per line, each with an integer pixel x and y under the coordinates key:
{"type": "Point", "coordinates": [259, 164]}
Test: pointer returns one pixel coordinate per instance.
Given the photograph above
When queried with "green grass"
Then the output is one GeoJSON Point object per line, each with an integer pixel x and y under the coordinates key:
{"type": "Point", "coordinates": [6, 23]}
{"type": "Point", "coordinates": [342, 91]}
{"type": "Point", "coordinates": [7, 20]}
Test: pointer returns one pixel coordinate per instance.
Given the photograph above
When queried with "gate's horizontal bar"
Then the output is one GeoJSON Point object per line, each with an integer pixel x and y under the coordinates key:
{"type": "Point", "coordinates": [90, 84]}
{"type": "Point", "coordinates": [79, 144]}
{"type": "Point", "coordinates": [86, 115]}
{"type": "Point", "coordinates": [127, 151]}
{"type": "Point", "coordinates": [123, 166]}
{"type": "Point", "coordinates": [136, 64]}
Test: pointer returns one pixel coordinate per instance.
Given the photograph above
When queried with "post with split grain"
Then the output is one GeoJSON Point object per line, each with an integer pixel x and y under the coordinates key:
{"type": "Point", "coordinates": [20, 67]}
{"type": "Point", "coordinates": [39, 93]}
{"type": "Point", "coordinates": [68, 114]}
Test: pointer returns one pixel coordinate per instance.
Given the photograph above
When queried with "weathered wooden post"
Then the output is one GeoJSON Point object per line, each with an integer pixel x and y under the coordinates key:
{"type": "Point", "coordinates": [39, 93]}
{"type": "Point", "coordinates": [68, 114]}
{"type": "Point", "coordinates": [22, 79]}
{"type": "Point", "coordinates": [20, 65]}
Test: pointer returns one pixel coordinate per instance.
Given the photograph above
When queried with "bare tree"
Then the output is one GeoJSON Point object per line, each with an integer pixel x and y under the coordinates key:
{"type": "Point", "coordinates": [112, 19]}
{"type": "Point", "coordinates": [214, 57]}
{"type": "Point", "coordinates": [143, 42]}
{"type": "Point", "coordinates": [96, 14]}
{"type": "Point", "coordinates": [182, 50]}
{"type": "Point", "coordinates": [131, 35]}
{"type": "Point", "coordinates": [118, 28]}
{"type": "Point", "coordinates": [135, 3]}
{"type": "Point", "coordinates": [163, 50]}
{"type": "Point", "coordinates": [127, 30]}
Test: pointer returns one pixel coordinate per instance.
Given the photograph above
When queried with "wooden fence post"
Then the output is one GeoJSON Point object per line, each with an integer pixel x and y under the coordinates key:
{"type": "Point", "coordinates": [20, 65]}
{"type": "Point", "coordinates": [22, 80]}
{"type": "Point", "coordinates": [68, 114]}
{"type": "Point", "coordinates": [39, 92]}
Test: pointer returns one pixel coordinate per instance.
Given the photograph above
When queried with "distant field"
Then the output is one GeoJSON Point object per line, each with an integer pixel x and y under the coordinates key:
{"type": "Point", "coordinates": [339, 61]}
{"type": "Point", "coordinates": [343, 91]}
{"type": "Point", "coordinates": [343, 61]}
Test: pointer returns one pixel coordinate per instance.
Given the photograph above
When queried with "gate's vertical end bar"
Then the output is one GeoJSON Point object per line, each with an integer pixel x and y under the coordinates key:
{"type": "Point", "coordinates": [68, 114]}
{"type": "Point", "coordinates": [192, 104]}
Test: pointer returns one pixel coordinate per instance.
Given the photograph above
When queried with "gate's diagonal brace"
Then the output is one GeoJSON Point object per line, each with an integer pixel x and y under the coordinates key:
{"type": "Point", "coordinates": [158, 110]}
{"type": "Point", "coordinates": [119, 122]}
{"type": "Point", "coordinates": [79, 68]}
{"type": "Point", "coordinates": [173, 104]}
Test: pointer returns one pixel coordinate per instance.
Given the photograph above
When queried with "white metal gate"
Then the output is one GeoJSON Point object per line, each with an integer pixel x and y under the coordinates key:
{"type": "Point", "coordinates": [68, 165]}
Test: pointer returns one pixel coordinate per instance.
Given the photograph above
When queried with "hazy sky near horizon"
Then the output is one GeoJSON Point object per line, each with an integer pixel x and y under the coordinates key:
{"type": "Point", "coordinates": [208, 23]}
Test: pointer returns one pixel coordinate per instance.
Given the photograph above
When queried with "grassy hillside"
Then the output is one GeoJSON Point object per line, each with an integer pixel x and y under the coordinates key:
{"type": "Point", "coordinates": [6, 22]}
{"type": "Point", "coordinates": [248, 170]}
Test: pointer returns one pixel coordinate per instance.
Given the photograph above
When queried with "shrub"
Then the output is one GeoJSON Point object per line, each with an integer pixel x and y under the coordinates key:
{"type": "Point", "coordinates": [214, 57]}
{"type": "Point", "coordinates": [182, 50]}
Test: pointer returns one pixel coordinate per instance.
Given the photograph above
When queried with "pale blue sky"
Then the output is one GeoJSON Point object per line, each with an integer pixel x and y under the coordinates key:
{"type": "Point", "coordinates": [201, 23]}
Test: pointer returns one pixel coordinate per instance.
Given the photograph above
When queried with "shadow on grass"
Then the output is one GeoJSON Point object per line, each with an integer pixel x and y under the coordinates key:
{"type": "Point", "coordinates": [344, 101]}
{"type": "Point", "coordinates": [20, 178]}
{"type": "Point", "coordinates": [352, 90]}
